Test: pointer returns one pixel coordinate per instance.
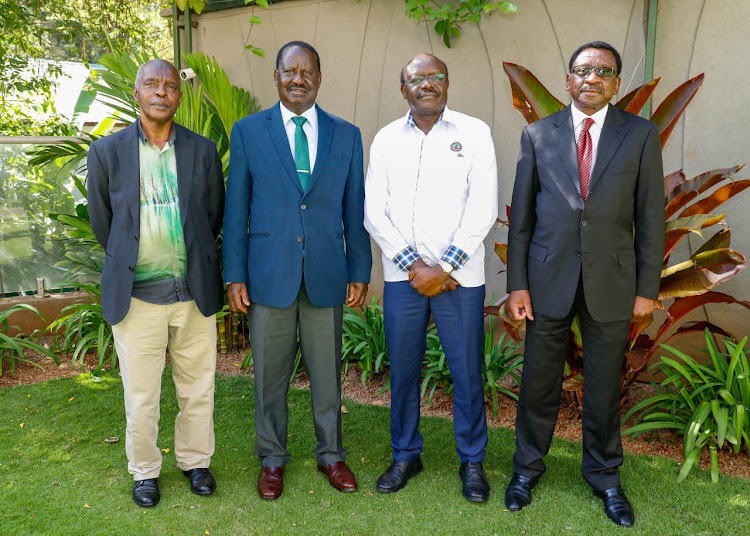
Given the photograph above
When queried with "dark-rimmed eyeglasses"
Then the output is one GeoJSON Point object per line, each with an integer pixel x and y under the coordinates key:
{"type": "Point", "coordinates": [435, 79]}
{"type": "Point", "coordinates": [602, 71]}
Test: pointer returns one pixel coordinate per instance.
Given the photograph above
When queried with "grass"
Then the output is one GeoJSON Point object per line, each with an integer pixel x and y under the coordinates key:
{"type": "Point", "coordinates": [58, 476]}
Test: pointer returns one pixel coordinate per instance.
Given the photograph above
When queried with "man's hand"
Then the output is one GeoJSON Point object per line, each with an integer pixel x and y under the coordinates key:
{"type": "Point", "coordinates": [519, 305]}
{"type": "Point", "coordinates": [643, 314]}
{"type": "Point", "coordinates": [237, 296]}
{"type": "Point", "coordinates": [355, 294]}
{"type": "Point", "coordinates": [430, 281]}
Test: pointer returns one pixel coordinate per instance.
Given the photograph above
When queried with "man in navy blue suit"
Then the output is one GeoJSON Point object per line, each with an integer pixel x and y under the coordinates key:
{"type": "Point", "coordinates": [295, 249]}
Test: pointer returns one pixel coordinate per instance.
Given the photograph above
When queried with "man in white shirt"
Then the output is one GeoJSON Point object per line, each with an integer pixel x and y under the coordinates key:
{"type": "Point", "coordinates": [430, 201]}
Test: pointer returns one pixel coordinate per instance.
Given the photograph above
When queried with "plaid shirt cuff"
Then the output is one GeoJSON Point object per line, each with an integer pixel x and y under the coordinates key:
{"type": "Point", "coordinates": [455, 257]}
{"type": "Point", "coordinates": [406, 258]}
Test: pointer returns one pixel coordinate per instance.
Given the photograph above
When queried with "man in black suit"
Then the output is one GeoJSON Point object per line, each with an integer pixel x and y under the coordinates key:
{"type": "Point", "coordinates": [156, 202]}
{"type": "Point", "coordinates": [587, 238]}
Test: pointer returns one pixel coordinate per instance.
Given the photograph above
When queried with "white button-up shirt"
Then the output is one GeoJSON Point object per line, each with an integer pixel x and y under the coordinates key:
{"type": "Point", "coordinates": [430, 192]}
{"type": "Point", "coordinates": [310, 128]}
{"type": "Point", "coordinates": [595, 129]}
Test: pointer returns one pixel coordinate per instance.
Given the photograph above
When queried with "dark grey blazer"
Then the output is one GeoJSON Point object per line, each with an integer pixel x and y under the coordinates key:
{"type": "Point", "coordinates": [114, 209]}
{"type": "Point", "coordinates": [554, 237]}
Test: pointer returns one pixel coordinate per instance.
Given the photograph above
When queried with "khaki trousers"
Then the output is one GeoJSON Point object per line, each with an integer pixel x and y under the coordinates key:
{"type": "Point", "coordinates": [141, 340]}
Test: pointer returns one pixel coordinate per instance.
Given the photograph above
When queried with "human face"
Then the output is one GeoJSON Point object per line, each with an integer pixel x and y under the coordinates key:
{"type": "Point", "coordinates": [157, 91]}
{"type": "Point", "coordinates": [427, 98]}
{"type": "Point", "coordinates": [592, 93]}
{"type": "Point", "coordinates": [297, 79]}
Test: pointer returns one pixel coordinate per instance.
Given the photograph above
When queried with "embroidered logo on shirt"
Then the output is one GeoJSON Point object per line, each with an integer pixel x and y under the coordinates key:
{"type": "Point", "coordinates": [456, 146]}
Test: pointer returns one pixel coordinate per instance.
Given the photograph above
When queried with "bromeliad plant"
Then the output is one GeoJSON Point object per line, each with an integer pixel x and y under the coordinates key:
{"type": "Point", "coordinates": [12, 348]}
{"type": "Point", "coordinates": [689, 209]}
{"type": "Point", "coordinates": [707, 403]}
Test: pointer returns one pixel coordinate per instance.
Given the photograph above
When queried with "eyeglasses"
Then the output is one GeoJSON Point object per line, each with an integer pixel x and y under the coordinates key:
{"type": "Point", "coordinates": [583, 71]}
{"type": "Point", "coordinates": [435, 79]}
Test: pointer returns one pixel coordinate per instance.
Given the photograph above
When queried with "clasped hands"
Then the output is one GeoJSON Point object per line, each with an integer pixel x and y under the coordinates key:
{"type": "Point", "coordinates": [430, 281]}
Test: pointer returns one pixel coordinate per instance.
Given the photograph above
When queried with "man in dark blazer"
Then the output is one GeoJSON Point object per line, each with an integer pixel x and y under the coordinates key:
{"type": "Point", "coordinates": [156, 202]}
{"type": "Point", "coordinates": [586, 237]}
{"type": "Point", "coordinates": [296, 249]}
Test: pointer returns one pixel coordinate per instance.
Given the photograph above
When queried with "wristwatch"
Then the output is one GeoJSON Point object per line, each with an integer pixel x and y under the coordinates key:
{"type": "Point", "coordinates": [446, 266]}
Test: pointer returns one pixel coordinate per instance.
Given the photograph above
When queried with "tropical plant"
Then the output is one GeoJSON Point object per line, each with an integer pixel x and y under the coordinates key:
{"type": "Point", "coordinates": [449, 16]}
{"type": "Point", "coordinates": [364, 340]}
{"type": "Point", "coordinates": [708, 403]}
{"type": "Point", "coordinates": [501, 359]}
{"type": "Point", "coordinates": [435, 370]}
{"type": "Point", "coordinates": [689, 205]}
{"type": "Point", "coordinates": [12, 348]}
{"type": "Point", "coordinates": [81, 328]}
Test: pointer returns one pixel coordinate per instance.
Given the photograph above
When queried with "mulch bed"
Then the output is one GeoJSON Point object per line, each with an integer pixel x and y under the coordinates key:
{"type": "Point", "coordinates": [568, 422]}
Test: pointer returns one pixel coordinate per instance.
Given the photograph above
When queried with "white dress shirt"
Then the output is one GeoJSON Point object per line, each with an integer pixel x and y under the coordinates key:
{"type": "Point", "coordinates": [432, 193]}
{"type": "Point", "coordinates": [310, 128]}
{"type": "Point", "coordinates": [595, 130]}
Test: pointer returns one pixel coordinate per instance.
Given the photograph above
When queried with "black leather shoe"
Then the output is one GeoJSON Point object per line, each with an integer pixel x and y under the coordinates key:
{"type": "Point", "coordinates": [398, 475]}
{"type": "Point", "coordinates": [518, 492]}
{"type": "Point", "coordinates": [617, 506]}
{"type": "Point", "coordinates": [201, 481]}
{"type": "Point", "coordinates": [146, 492]}
{"type": "Point", "coordinates": [476, 488]}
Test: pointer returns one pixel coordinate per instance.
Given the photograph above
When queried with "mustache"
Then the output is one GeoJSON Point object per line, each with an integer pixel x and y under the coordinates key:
{"type": "Point", "coordinates": [591, 88]}
{"type": "Point", "coordinates": [297, 86]}
{"type": "Point", "coordinates": [428, 92]}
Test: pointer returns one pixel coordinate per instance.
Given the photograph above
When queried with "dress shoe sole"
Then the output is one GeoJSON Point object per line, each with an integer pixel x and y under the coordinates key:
{"type": "Point", "coordinates": [144, 505]}
{"type": "Point", "coordinates": [199, 492]}
{"type": "Point", "coordinates": [402, 484]}
{"type": "Point", "coordinates": [342, 490]}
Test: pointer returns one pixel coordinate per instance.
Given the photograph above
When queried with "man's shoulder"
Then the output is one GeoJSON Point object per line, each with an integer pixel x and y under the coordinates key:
{"type": "Point", "coordinates": [463, 120]}
{"type": "Point", "coordinates": [114, 139]}
{"type": "Point", "coordinates": [634, 121]}
{"type": "Point", "coordinates": [338, 122]}
{"type": "Point", "coordinates": [254, 120]}
{"type": "Point", "coordinates": [199, 140]}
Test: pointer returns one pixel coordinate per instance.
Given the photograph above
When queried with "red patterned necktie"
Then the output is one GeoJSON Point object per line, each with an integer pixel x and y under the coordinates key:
{"type": "Point", "coordinates": [585, 154]}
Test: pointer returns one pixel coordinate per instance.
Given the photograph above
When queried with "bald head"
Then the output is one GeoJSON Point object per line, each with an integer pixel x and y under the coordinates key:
{"type": "Point", "coordinates": [160, 68]}
{"type": "Point", "coordinates": [420, 58]}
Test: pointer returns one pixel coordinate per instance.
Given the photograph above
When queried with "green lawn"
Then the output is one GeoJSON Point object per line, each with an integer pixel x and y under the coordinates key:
{"type": "Point", "coordinates": [58, 476]}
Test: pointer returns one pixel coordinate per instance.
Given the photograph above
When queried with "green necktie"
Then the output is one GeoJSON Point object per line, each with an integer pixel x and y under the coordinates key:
{"type": "Point", "coordinates": [301, 152]}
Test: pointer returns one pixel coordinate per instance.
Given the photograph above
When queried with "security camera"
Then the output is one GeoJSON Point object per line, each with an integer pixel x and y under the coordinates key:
{"type": "Point", "coordinates": [187, 74]}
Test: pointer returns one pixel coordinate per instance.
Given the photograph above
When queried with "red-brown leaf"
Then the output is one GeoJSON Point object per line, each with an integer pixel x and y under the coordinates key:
{"type": "Point", "coordinates": [502, 252]}
{"type": "Point", "coordinates": [721, 195]}
{"type": "Point", "coordinates": [671, 108]}
{"type": "Point", "coordinates": [530, 97]}
{"type": "Point", "coordinates": [679, 201]}
{"type": "Point", "coordinates": [683, 306]}
{"type": "Point", "coordinates": [672, 181]}
{"type": "Point", "coordinates": [634, 101]}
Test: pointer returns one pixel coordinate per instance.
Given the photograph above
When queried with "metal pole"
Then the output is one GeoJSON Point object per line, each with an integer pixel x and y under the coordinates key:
{"type": "Point", "coordinates": [176, 34]}
{"type": "Point", "coordinates": [188, 31]}
{"type": "Point", "coordinates": [648, 71]}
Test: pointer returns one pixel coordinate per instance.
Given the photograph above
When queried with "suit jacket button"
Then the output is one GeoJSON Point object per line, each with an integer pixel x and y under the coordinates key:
{"type": "Point", "coordinates": [299, 239]}
{"type": "Point", "coordinates": [131, 268]}
{"type": "Point", "coordinates": [136, 238]}
{"type": "Point", "coordinates": [303, 207]}
{"type": "Point", "coordinates": [578, 253]}
{"type": "Point", "coordinates": [584, 223]}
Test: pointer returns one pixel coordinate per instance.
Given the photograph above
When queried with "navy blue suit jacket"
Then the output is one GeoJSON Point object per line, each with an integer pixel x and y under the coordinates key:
{"type": "Point", "coordinates": [114, 208]}
{"type": "Point", "coordinates": [271, 225]}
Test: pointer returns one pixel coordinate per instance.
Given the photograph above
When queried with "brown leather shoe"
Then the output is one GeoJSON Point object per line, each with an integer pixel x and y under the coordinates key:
{"type": "Point", "coordinates": [270, 482]}
{"type": "Point", "coordinates": [340, 476]}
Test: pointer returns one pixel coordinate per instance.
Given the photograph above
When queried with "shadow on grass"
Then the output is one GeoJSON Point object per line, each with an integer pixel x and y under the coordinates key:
{"type": "Point", "coordinates": [59, 476]}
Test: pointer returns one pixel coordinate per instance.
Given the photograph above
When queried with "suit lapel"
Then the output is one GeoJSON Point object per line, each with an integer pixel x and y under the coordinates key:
{"type": "Point", "coordinates": [325, 134]}
{"type": "Point", "coordinates": [185, 156]}
{"type": "Point", "coordinates": [564, 136]}
{"type": "Point", "coordinates": [127, 154]}
{"type": "Point", "coordinates": [280, 140]}
{"type": "Point", "coordinates": [609, 141]}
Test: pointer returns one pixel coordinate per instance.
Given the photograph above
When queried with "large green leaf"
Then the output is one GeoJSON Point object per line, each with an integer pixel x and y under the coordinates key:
{"type": "Point", "coordinates": [701, 273]}
{"type": "Point", "coordinates": [634, 101]}
{"type": "Point", "coordinates": [671, 108]}
{"type": "Point", "coordinates": [530, 97]}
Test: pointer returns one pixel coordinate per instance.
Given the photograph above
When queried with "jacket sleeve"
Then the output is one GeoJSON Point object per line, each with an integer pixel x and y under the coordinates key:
{"type": "Point", "coordinates": [649, 218]}
{"type": "Point", "coordinates": [358, 251]}
{"type": "Point", "coordinates": [236, 211]}
{"type": "Point", "coordinates": [99, 206]}
{"type": "Point", "coordinates": [215, 192]}
{"type": "Point", "coordinates": [522, 215]}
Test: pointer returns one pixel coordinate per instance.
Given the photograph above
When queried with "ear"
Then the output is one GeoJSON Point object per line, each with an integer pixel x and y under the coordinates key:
{"type": "Point", "coordinates": [567, 82]}
{"type": "Point", "coordinates": [617, 85]}
{"type": "Point", "coordinates": [275, 76]}
{"type": "Point", "coordinates": [135, 92]}
{"type": "Point", "coordinates": [403, 90]}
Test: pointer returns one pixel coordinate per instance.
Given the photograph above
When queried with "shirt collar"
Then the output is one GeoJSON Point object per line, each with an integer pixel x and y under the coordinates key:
{"type": "Point", "coordinates": [144, 139]}
{"type": "Point", "coordinates": [445, 116]}
{"type": "Point", "coordinates": [579, 116]}
{"type": "Point", "coordinates": [310, 114]}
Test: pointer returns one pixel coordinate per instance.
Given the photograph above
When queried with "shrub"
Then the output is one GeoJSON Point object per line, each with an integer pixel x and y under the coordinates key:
{"type": "Point", "coordinates": [364, 340]}
{"type": "Point", "coordinates": [12, 348]}
{"type": "Point", "coordinates": [708, 403]}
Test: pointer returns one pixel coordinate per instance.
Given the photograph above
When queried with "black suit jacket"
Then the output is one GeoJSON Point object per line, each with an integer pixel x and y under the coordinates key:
{"type": "Point", "coordinates": [615, 240]}
{"type": "Point", "coordinates": [114, 209]}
